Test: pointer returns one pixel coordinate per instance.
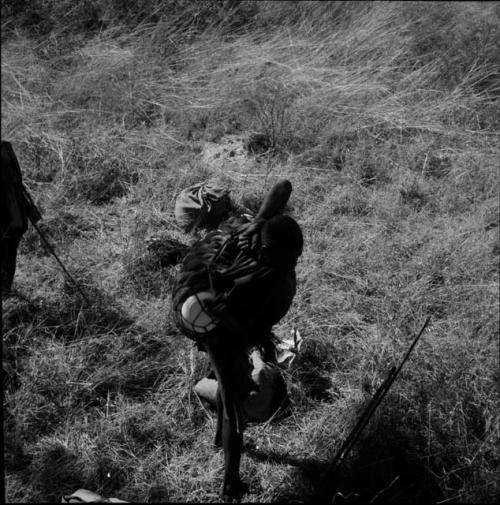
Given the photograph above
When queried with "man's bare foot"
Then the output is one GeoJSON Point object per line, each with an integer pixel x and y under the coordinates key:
{"type": "Point", "coordinates": [233, 491]}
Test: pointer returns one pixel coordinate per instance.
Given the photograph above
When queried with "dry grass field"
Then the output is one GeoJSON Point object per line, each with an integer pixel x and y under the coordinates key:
{"type": "Point", "coordinates": [384, 116]}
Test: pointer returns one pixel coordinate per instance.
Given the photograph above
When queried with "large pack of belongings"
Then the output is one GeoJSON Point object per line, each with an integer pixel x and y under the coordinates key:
{"type": "Point", "coordinates": [85, 496]}
{"type": "Point", "coordinates": [202, 205]}
{"type": "Point", "coordinates": [17, 208]}
{"type": "Point", "coordinates": [215, 270]}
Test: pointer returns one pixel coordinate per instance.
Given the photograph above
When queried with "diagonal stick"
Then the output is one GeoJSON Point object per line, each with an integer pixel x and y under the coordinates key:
{"type": "Point", "coordinates": [367, 414]}
{"type": "Point", "coordinates": [50, 248]}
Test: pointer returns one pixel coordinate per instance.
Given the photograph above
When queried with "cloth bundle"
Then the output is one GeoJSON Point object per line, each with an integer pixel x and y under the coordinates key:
{"type": "Point", "coordinates": [271, 393]}
{"type": "Point", "coordinates": [202, 205]}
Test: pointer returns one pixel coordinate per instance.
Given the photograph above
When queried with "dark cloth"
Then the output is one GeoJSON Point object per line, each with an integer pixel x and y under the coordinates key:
{"type": "Point", "coordinates": [14, 209]}
{"type": "Point", "coordinates": [255, 296]}
{"type": "Point", "coordinates": [14, 212]}
{"type": "Point", "coordinates": [9, 246]}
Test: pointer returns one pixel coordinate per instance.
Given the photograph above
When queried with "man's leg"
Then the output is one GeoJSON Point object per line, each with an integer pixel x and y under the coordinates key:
{"type": "Point", "coordinates": [229, 411]}
{"type": "Point", "coordinates": [220, 418]}
{"type": "Point", "coordinates": [8, 253]}
{"type": "Point", "coordinates": [232, 442]}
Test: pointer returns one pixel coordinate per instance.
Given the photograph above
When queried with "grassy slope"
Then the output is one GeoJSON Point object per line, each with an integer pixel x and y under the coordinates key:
{"type": "Point", "coordinates": [385, 119]}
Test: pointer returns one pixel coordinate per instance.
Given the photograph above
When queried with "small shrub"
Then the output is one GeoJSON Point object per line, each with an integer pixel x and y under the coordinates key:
{"type": "Point", "coordinates": [149, 271]}
{"type": "Point", "coordinates": [268, 105]}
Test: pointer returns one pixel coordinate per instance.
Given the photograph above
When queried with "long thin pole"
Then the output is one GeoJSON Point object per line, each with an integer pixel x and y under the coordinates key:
{"type": "Point", "coordinates": [50, 248]}
{"type": "Point", "coordinates": [367, 414]}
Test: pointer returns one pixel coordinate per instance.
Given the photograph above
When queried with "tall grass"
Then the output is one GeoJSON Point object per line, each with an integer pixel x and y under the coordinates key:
{"type": "Point", "coordinates": [384, 116]}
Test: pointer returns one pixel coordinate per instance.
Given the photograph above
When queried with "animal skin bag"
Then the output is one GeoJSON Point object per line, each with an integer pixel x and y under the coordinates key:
{"type": "Point", "coordinates": [261, 404]}
{"type": "Point", "coordinates": [202, 205]}
{"type": "Point", "coordinates": [266, 400]}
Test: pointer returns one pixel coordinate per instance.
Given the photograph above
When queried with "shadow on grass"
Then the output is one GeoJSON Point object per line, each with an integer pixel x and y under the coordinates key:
{"type": "Point", "coordinates": [382, 469]}
{"type": "Point", "coordinates": [54, 472]}
{"type": "Point", "coordinates": [67, 316]}
{"type": "Point", "coordinates": [385, 470]}
{"type": "Point", "coordinates": [316, 385]}
{"type": "Point", "coordinates": [63, 360]}
{"type": "Point", "coordinates": [308, 466]}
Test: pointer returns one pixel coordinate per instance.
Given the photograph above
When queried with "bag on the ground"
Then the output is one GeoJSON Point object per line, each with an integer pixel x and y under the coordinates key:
{"type": "Point", "coordinates": [202, 205]}
{"type": "Point", "coordinates": [86, 496]}
{"type": "Point", "coordinates": [269, 396]}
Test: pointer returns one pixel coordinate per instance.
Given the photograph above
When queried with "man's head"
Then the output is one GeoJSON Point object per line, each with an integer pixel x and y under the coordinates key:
{"type": "Point", "coordinates": [281, 242]}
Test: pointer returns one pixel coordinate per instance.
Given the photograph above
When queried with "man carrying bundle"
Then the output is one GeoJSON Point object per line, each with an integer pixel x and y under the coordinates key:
{"type": "Point", "coordinates": [234, 285]}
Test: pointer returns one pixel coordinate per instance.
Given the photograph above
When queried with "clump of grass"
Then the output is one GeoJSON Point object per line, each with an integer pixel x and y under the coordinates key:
{"type": "Point", "coordinates": [67, 316]}
{"type": "Point", "coordinates": [349, 200]}
{"type": "Point", "coordinates": [413, 193]}
{"type": "Point", "coordinates": [148, 277]}
{"type": "Point", "coordinates": [39, 408]}
{"type": "Point", "coordinates": [152, 273]}
{"type": "Point", "coordinates": [38, 160]}
{"type": "Point", "coordinates": [96, 179]}
{"type": "Point", "coordinates": [135, 367]}
{"type": "Point", "coordinates": [60, 229]}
